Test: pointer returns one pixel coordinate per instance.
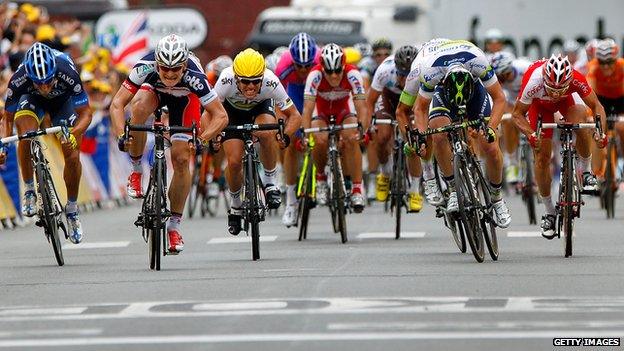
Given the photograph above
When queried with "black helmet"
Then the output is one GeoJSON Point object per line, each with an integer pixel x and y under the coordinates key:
{"type": "Point", "coordinates": [458, 86]}
{"type": "Point", "coordinates": [404, 57]}
{"type": "Point", "coordinates": [382, 43]}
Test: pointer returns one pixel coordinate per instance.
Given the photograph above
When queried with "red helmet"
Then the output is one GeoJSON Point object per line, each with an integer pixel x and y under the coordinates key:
{"type": "Point", "coordinates": [557, 72]}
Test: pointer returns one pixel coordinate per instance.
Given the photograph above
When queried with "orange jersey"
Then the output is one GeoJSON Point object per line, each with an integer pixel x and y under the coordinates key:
{"type": "Point", "coordinates": [611, 86]}
{"type": "Point", "coordinates": [212, 78]}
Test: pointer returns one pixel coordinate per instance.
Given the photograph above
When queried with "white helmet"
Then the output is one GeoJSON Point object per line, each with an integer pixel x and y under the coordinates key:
{"type": "Point", "coordinates": [171, 51]}
{"type": "Point", "coordinates": [557, 72]}
{"type": "Point", "coordinates": [332, 57]}
{"type": "Point", "coordinates": [607, 50]}
{"type": "Point", "coordinates": [502, 62]}
{"type": "Point", "coordinates": [219, 64]}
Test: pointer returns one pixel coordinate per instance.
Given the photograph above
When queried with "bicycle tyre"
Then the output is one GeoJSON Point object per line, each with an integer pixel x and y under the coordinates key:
{"type": "Point", "coordinates": [528, 190]}
{"type": "Point", "coordinates": [568, 210]}
{"type": "Point", "coordinates": [398, 190]}
{"type": "Point", "coordinates": [465, 187]}
{"type": "Point", "coordinates": [194, 194]}
{"type": "Point", "coordinates": [155, 231]}
{"type": "Point", "coordinates": [49, 211]}
{"type": "Point", "coordinates": [487, 225]}
{"type": "Point", "coordinates": [338, 198]}
{"type": "Point", "coordinates": [305, 202]}
{"type": "Point", "coordinates": [609, 196]}
{"type": "Point", "coordinates": [252, 208]}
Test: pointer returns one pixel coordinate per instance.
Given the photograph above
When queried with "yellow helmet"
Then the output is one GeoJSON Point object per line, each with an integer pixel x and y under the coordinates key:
{"type": "Point", "coordinates": [249, 63]}
{"type": "Point", "coordinates": [352, 55]}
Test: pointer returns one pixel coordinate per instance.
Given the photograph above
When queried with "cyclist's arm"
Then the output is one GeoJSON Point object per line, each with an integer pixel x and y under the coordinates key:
{"type": "Point", "coordinates": [371, 98]}
{"type": "Point", "coordinates": [499, 102]}
{"type": "Point", "coordinates": [594, 104]}
{"type": "Point", "coordinates": [518, 115]}
{"type": "Point", "coordinates": [308, 109]}
{"type": "Point", "coordinates": [7, 123]}
{"type": "Point", "coordinates": [117, 114]}
{"type": "Point", "coordinates": [293, 120]}
{"type": "Point", "coordinates": [213, 120]}
{"type": "Point", "coordinates": [83, 121]}
{"type": "Point", "coordinates": [362, 111]}
{"type": "Point", "coordinates": [421, 112]}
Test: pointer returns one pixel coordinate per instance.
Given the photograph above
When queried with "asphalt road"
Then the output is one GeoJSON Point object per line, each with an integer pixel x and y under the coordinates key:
{"type": "Point", "coordinates": [416, 293]}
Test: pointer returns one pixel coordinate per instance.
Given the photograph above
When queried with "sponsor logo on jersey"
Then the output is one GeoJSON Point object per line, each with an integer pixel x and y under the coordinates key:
{"type": "Point", "coordinates": [144, 70]}
{"type": "Point", "coordinates": [271, 84]}
{"type": "Point", "coordinates": [584, 87]}
{"type": "Point", "coordinates": [77, 88]}
{"type": "Point", "coordinates": [534, 90]}
{"type": "Point", "coordinates": [227, 80]}
{"type": "Point", "coordinates": [194, 82]}
{"type": "Point", "coordinates": [66, 78]}
{"type": "Point", "coordinates": [20, 81]}
{"type": "Point", "coordinates": [9, 92]}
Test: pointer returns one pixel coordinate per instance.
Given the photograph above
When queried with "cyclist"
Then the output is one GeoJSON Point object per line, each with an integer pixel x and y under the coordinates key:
{"type": "Point", "coordinates": [215, 67]}
{"type": "Point", "coordinates": [170, 76]}
{"type": "Point", "coordinates": [457, 76]}
{"type": "Point", "coordinates": [248, 91]}
{"type": "Point", "coordinates": [494, 41]}
{"type": "Point", "coordinates": [547, 87]}
{"type": "Point", "coordinates": [292, 70]}
{"type": "Point", "coordinates": [590, 50]}
{"type": "Point", "coordinates": [328, 88]}
{"type": "Point", "coordinates": [47, 82]}
{"type": "Point", "coordinates": [571, 49]}
{"type": "Point", "coordinates": [509, 70]}
{"type": "Point", "coordinates": [388, 82]}
{"type": "Point", "coordinates": [606, 77]}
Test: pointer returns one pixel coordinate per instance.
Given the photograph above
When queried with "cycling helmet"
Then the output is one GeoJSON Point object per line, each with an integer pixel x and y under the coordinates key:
{"type": "Point", "coordinates": [571, 46]}
{"type": "Point", "coordinates": [352, 55]}
{"type": "Point", "coordinates": [219, 64]}
{"type": "Point", "coordinates": [458, 86]}
{"type": "Point", "coordinates": [502, 62]}
{"type": "Point", "coordinates": [607, 50]}
{"type": "Point", "coordinates": [332, 57]}
{"type": "Point", "coordinates": [365, 49]}
{"type": "Point", "coordinates": [493, 34]}
{"type": "Point", "coordinates": [271, 61]}
{"type": "Point", "coordinates": [382, 43]}
{"type": "Point", "coordinates": [590, 48]}
{"type": "Point", "coordinates": [403, 59]}
{"type": "Point", "coordinates": [303, 49]}
{"type": "Point", "coordinates": [171, 51]}
{"type": "Point", "coordinates": [40, 63]}
{"type": "Point", "coordinates": [557, 72]}
{"type": "Point", "coordinates": [249, 64]}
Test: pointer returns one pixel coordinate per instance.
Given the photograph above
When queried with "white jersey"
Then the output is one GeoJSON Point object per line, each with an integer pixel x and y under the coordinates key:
{"type": "Point", "coordinates": [386, 77]}
{"type": "Point", "coordinates": [512, 87]}
{"type": "Point", "coordinates": [412, 83]}
{"type": "Point", "coordinates": [433, 67]}
{"type": "Point", "coordinates": [271, 88]}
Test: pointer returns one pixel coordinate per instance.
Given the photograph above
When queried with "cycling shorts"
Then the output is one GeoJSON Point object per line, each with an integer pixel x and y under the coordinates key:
{"type": "Point", "coordinates": [183, 110]}
{"type": "Point", "coordinates": [612, 105]}
{"type": "Point", "coordinates": [547, 110]}
{"type": "Point", "coordinates": [238, 117]}
{"type": "Point", "coordinates": [340, 116]}
{"type": "Point", "coordinates": [478, 106]}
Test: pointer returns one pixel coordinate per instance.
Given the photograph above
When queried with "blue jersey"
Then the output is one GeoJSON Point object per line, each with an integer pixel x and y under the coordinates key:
{"type": "Point", "coordinates": [68, 86]}
{"type": "Point", "coordinates": [193, 81]}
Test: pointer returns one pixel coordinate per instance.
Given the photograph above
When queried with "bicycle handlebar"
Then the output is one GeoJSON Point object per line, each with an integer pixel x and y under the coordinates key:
{"type": "Point", "coordinates": [391, 122]}
{"type": "Point", "coordinates": [160, 128]}
{"type": "Point", "coordinates": [332, 128]}
{"type": "Point", "coordinates": [35, 133]}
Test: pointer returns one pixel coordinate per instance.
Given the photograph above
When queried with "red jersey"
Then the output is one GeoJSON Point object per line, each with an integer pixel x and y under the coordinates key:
{"type": "Point", "coordinates": [333, 100]}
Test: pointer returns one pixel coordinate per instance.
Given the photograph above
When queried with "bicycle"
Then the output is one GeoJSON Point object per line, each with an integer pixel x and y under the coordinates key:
{"type": "Point", "coordinates": [200, 194]}
{"type": "Point", "coordinates": [49, 210]}
{"type": "Point", "coordinates": [306, 190]}
{"type": "Point", "coordinates": [338, 199]}
{"type": "Point", "coordinates": [569, 200]}
{"type": "Point", "coordinates": [254, 202]}
{"type": "Point", "coordinates": [610, 185]}
{"type": "Point", "coordinates": [154, 210]}
{"type": "Point", "coordinates": [473, 190]}
{"type": "Point", "coordinates": [400, 180]}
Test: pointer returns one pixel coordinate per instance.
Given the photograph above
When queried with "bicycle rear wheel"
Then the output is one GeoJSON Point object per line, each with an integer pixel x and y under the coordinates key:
{"type": "Point", "coordinates": [50, 216]}
{"type": "Point", "coordinates": [609, 188]}
{"type": "Point", "coordinates": [467, 199]}
{"type": "Point", "coordinates": [194, 195]}
{"type": "Point", "coordinates": [486, 211]}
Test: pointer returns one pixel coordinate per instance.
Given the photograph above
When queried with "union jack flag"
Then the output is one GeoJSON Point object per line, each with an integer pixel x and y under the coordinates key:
{"type": "Point", "coordinates": [134, 43]}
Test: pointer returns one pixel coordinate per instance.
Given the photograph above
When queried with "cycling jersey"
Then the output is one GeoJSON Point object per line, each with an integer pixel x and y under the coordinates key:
{"type": "Point", "coordinates": [334, 100]}
{"type": "Point", "coordinates": [512, 87]}
{"type": "Point", "coordinates": [193, 81]}
{"type": "Point", "coordinates": [534, 94]}
{"type": "Point", "coordinates": [433, 67]}
{"type": "Point", "coordinates": [68, 86]}
{"type": "Point", "coordinates": [386, 77]}
{"type": "Point", "coordinates": [368, 67]}
{"type": "Point", "coordinates": [271, 88]}
{"type": "Point", "coordinates": [412, 82]}
{"type": "Point", "coordinates": [609, 86]}
{"type": "Point", "coordinates": [289, 78]}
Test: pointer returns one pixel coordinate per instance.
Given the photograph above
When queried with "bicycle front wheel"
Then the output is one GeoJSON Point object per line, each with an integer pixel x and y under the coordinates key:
{"type": "Point", "coordinates": [467, 199]}
{"type": "Point", "coordinates": [398, 189]}
{"type": "Point", "coordinates": [609, 188]}
{"type": "Point", "coordinates": [157, 225]}
{"type": "Point", "coordinates": [568, 206]}
{"type": "Point", "coordinates": [50, 216]}
{"type": "Point", "coordinates": [252, 210]}
{"type": "Point", "coordinates": [338, 198]}
{"type": "Point", "coordinates": [305, 201]}
{"type": "Point", "coordinates": [486, 211]}
{"type": "Point", "coordinates": [528, 190]}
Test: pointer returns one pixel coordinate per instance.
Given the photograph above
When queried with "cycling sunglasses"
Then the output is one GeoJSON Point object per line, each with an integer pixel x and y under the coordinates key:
{"type": "Point", "coordinates": [329, 72]}
{"type": "Point", "coordinates": [606, 63]}
{"type": "Point", "coordinates": [298, 66]}
{"type": "Point", "coordinates": [555, 91]}
{"type": "Point", "coordinates": [381, 53]}
{"type": "Point", "coordinates": [52, 81]}
{"type": "Point", "coordinates": [170, 69]}
{"type": "Point", "coordinates": [246, 81]}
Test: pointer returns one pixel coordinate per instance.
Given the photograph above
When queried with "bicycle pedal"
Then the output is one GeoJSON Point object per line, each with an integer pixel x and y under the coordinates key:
{"type": "Point", "coordinates": [139, 221]}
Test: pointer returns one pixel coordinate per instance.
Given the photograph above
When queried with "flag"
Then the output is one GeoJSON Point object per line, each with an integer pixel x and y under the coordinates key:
{"type": "Point", "coordinates": [134, 43]}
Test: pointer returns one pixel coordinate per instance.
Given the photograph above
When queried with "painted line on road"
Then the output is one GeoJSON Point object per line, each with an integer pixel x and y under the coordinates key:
{"type": "Point", "coordinates": [391, 235]}
{"type": "Point", "coordinates": [42, 311]}
{"type": "Point", "coordinates": [246, 338]}
{"type": "Point", "coordinates": [240, 239]}
{"type": "Point", "coordinates": [523, 234]}
{"type": "Point", "coordinates": [477, 325]}
{"type": "Point", "coordinates": [96, 245]}
{"type": "Point", "coordinates": [50, 332]}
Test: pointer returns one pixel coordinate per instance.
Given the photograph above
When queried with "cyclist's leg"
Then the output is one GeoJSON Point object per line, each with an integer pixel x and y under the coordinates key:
{"type": "Point", "coordinates": [142, 106]}
{"type": "Point", "coordinates": [511, 141]}
{"type": "Point", "coordinates": [291, 165]}
{"type": "Point", "coordinates": [383, 144]}
{"type": "Point", "coordinates": [352, 156]}
{"type": "Point", "coordinates": [440, 116]}
{"type": "Point", "coordinates": [269, 152]}
{"type": "Point", "coordinates": [577, 113]}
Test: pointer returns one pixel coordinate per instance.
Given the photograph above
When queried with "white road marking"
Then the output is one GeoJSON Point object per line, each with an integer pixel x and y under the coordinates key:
{"type": "Point", "coordinates": [245, 338]}
{"type": "Point", "coordinates": [392, 235]}
{"type": "Point", "coordinates": [96, 245]}
{"type": "Point", "coordinates": [42, 311]}
{"type": "Point", "coordinates": [240, 239]}
{"type": "Point", "coordinates": [234, 306]}
{"type": "Point", "coordinates": [476, 325]}
{"type": "Point", "coordinates": [50, 332]}
{"type": "Point", "coordinates": [523, 234]}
